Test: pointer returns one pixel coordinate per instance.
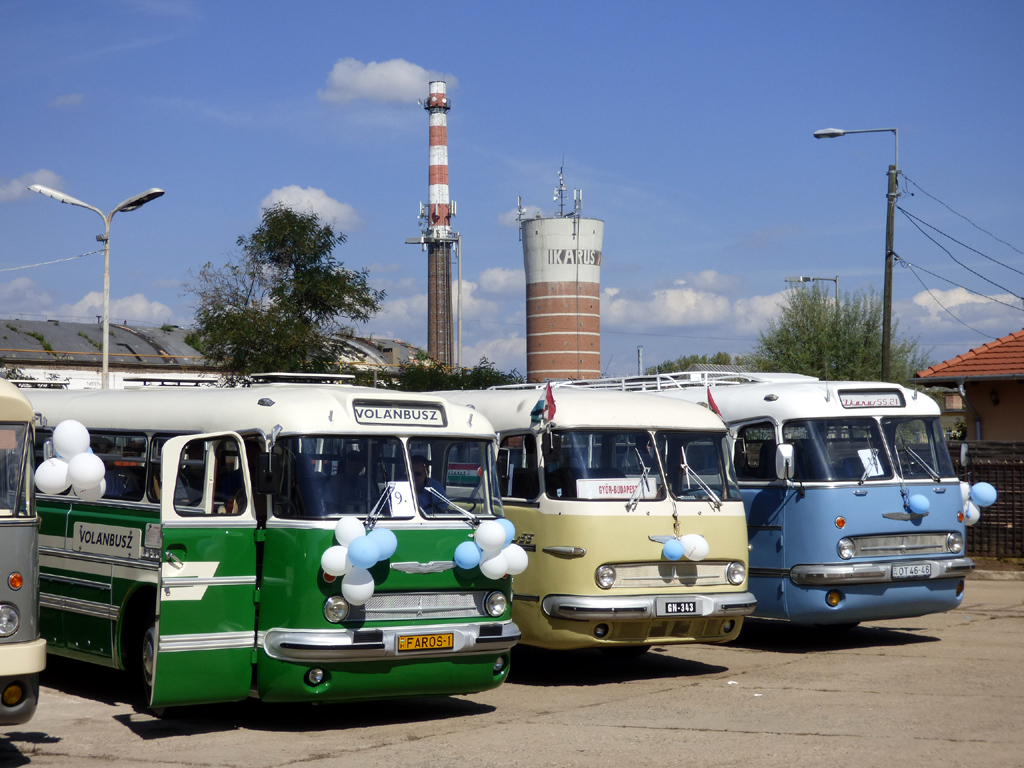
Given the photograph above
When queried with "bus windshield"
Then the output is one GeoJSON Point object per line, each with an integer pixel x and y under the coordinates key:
{"type": "Point", "coordinates": [13, 496]}
{"type": "Point", "coordinates": [331, 475]}
{"type": "Point", "coordinates": [837, 449]}
{"type": "Point", "coordinates": [696, 462]}
{"type": "Point", "coordinates": [919, 448]}
{"type": "Point", "coordinates": [590, 463]}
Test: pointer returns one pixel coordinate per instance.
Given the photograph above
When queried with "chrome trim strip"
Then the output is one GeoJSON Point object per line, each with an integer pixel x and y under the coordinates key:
{"type": "Point", "coordinates": [210, 521]}
{"type": "Point", "coordinates": [74, 582]}
{"type": "Point", "coordinates": [149, 564]}
{"type": "Point", "coordinates": [338, 645]}
{"type": "Point", "coordinates": [874, 573]}
{"type": "Point", "coordinates": [568, 553]}
{"type": "Point", "coordinates": [434, 566]}
{"type": "Point", "coordinates": [81, 607]}
{"type": "Point", "coordinates": [217, 641]}
{"type": "Point", "coordinates": [206, 581]}
{"type": "Point", "coordinates": [588, 608]}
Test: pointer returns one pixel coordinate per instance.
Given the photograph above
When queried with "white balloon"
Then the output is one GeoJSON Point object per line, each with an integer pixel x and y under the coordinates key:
{"type": "Point", "coordinates": [490, 536]}
{"type": "Point", "coordinates": [92, 493]}
{"type": "Point", "coordinates": [494, 565]}
{"type": "Point", "coordinates": [52, 476]}
{"type": "Point", "coordinates": [972, 513]}
{"type": "Point", "coordinates": [348, 529]}
{"type": "Point", "coordinates": [357, 586]}
{"type": "Point", "coordinates": [965, 491]}
{"type": "Point", "coordinates": [335, 561]}
{"type": "Point", "coordinates": [695, 547]}
{"type": "Point", "coordinates": [86, 470]}
{"type": "Point", "coordinates": [70, 438]}
{"type": "Point", "coordinates": [517, 559]}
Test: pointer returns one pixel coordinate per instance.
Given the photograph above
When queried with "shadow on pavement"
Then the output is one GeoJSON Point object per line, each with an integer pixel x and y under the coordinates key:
{"type": "Point", "coordinates": [539, 667]}
{"type": "Point", "coordinates": [11, 755]}
{"type": "Point", "coordinates": [786, 637]}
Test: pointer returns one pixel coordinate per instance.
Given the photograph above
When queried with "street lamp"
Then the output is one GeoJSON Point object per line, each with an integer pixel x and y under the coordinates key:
{"type": "Point", "coordinates": [802, 279]}
{"type": "Point", "coordinates": [834, 133]}
{"type": "Point", "coordinates": [131, 204]}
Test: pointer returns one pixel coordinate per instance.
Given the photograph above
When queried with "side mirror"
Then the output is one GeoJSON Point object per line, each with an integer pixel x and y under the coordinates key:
{"type": "Point", "coordinates": [268, 473]}
{"type": "Point", "coordinates": [784, 461]}
{"type": "Point", "coordinates": [965, 458]}
{"type": "Point", "coordinates": [551, 447]}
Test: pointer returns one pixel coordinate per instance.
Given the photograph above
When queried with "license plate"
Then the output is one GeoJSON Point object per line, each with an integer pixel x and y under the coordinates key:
{"type": "Point", "coordinates": [912, 571]}
{"type": "Point", "coordinates": [679, 608]}
{"type": "Point", "coordinates": [426, 642]}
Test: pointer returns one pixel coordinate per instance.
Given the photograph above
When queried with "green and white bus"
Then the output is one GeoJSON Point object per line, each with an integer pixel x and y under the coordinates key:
{"type": "Point", "coordinates": [22, 650]}
{"type": "Point", "coordinates": [223, 589]}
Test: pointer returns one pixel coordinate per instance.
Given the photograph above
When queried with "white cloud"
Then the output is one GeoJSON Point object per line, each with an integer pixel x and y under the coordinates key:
{"type": "Point", "coordinates": [396, 80]}
{"type": "Point", "coordinates": [19, 187]}
{"type": "Point", "coordinates": [673, 307]}
{"type": "Point", "coordinates": [133, 309]}
{"type": "Point", "coordinates": [67, 101]}
{"type": "Point", "coordinates": [751, 315]}
{"type": "Point", "coordinates": [511, 218]}
{"type": "Point", "coordinates": [505, 353]}
{"type": "Point", "coordinates": [310, 199]}
{"type": "Point", "coordinates": [506, 281]}
{"type": "Point", "coordinates": [22, 295]}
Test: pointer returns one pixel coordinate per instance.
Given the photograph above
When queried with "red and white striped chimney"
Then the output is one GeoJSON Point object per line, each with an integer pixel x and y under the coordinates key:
{"type": "Point", "coordinates": [437, 194]}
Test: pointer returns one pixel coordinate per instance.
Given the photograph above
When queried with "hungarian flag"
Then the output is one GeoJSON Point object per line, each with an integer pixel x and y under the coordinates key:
{"type": "Point", "coordinates": [544, 410]}
{"type": "Point", "coordinates": [712, 404]}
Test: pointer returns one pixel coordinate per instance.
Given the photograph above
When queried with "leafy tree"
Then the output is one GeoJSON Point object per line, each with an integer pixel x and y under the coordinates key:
{"type": "Point", "coordinates": [428, 375]}
{"type": "Point", "coordinates": [816, 336]}
{"type": "Point", "coordinates": [283, 303]}
{"type": "Point", "coordinates": [684, 362]}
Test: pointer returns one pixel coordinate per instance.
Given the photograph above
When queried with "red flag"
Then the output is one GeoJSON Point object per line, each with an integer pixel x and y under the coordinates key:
{"type": "Point", "coordinates": [711, 403]}
{"type": "Point", "coordinates": [549, 403]}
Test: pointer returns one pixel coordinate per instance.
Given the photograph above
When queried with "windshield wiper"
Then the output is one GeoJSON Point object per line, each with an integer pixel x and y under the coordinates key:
{"type": "Point", "coordinates": [452, 505]}
{"type": "Point", "coordinates": [913, 454]}
{"type": "Point", "coordinates": [715, 501]}
{"type": "Point", "coordinates": [634, 498]}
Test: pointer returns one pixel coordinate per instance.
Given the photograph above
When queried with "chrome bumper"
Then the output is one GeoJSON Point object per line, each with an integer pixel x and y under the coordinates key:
{"type": "Point", "coordinates": [327, 645]}
{"type": "Point", "coordinates": [634, 607]}
{"type": "Point", "coordinates": [875, 573]}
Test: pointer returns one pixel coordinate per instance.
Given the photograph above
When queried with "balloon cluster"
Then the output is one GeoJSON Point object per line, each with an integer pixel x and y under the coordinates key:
{"type": "Point", "coordinates": [74, 466]}
{"type": "Point", "coordinates": [492, 550]}
{"type": "Point", "coordinates": [692, 546]}
{"type": "Point", "coordinates": [352, 557]}
{"type": "Point", "coordinates": [974, 497]}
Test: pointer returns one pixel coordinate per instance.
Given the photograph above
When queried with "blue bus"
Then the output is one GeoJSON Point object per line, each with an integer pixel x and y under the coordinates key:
{"type": "Point", "coordinates": [854, 510]}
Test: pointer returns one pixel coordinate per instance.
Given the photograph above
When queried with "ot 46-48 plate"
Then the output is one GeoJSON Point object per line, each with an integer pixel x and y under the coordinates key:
{"type": "Point", "coordinates": [911, 570]}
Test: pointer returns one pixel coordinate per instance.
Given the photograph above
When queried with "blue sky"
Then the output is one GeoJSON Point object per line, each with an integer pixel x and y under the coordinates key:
{"type": "Point", "coordinates": [688, 126]}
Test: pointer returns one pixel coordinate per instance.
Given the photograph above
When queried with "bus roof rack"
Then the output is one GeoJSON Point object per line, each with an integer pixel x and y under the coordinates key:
{"type": "Point", "coordinates": [198, 380]}
{"type": "Point", "coordinates": [662, 381]}
{"type": "Point", "coordinates": [302, 378]}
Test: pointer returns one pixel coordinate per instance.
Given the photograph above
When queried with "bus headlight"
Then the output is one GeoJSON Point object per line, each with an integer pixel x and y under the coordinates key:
{"type": "Point", "coordinates": [495, 604]}
{"type": "Point", "coordinates": [9, 620]}
{"type": "Point", "coordinates": [955, 542]}
{"type": "Point", "coordinates": [336, 609]}
{"type": "Point", "coordinates": [606, 576]}
{"type": "Point", "coordinates": [845, 548]}
{"type": "Point", "coordinates": [736, 573]}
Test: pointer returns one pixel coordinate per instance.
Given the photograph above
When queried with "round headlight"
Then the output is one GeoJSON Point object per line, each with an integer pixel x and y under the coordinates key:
{"type": "Point", "coordinates": [606, 576]}
{"type": "Point", "coordinates": [955, 542]}
{"type": "Point", "coordinates": [495, 604]}
{"type": "Point", "coordinates": [845, 548]}
{"type": "Point", "coordinates": [736, 573]}
{"type": "Point", "coordinates": [335, 609]}
{"type": "Point", "coordinates": [9, 620]}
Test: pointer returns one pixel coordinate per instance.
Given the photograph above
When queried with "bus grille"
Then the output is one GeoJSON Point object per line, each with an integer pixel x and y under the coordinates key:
{"type": "Point", "coordinates": [680, 574]}
{"type": "Point", "coordinates": [909, 544]}
{"type": "Point", "coordinates": [402, 606]}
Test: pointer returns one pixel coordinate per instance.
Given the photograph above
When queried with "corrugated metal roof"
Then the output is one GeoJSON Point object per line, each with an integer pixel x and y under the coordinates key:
{"type": "Point", "coordinates": [1002, 357]}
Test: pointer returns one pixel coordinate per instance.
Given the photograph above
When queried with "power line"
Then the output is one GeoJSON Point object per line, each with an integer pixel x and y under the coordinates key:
{"type": "Point", "coordinates": [951, 282]}
{"type": "Point", "coordinates": [944, 308]}
{"type": "Point", "coordinates": [44, 263]}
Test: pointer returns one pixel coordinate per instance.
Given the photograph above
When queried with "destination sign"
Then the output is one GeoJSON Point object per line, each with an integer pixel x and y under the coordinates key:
{"type": "Point", "coordinates": [399, 414]}
{"type": "Point", "coordinates": [111, 540]}
{"type": "Point", "coordinates": [616, 488]}
{"type": "Point", "coordinates": [871, 399]}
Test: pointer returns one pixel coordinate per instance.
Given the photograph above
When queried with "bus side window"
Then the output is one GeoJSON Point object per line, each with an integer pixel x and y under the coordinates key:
{"type": "Point", "coordinates": [520, 479]}
{"type": "Point", "coordinates": [758, 444]}
{"type": "Point", "coordinates": [188, 492]}
{"type": "Point", "coordinates": [124, 457]}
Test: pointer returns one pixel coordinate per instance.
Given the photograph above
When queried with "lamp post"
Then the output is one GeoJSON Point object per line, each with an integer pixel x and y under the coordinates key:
{"type": "Point", "coordinates": [802, 279]}
{"type": "Point", "coordinates": [131, 204]}
{"type": "Point", "coordinates": [834, 133]}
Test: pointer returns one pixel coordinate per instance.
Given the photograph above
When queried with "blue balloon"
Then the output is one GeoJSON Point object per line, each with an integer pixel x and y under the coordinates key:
{"type": "Point", "coordinates": [919, 504]}
{"type": "Point", "coordinates": [673, 549]}
{"type": "Point", "coordinates": [510, 530]}
{"type": "Point", "coordinates": [983, 494]}
{"type": "Point", "coordinates": [363, 552]}
{"type": "Point", "coordinates": [467, 555]}
{"type": "Point", "coordinates": [385, 540]}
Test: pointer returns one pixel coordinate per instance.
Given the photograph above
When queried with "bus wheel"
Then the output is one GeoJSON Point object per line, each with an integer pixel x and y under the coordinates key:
{"type": "Point", "coordinates": [147, 668]}
{"type": "Point", "coordinates": [625, 652]}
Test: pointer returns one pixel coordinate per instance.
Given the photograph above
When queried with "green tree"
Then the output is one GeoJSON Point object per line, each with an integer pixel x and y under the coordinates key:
{"type": "Point", "coordinates": [428, 375]}
{"type": "Point", "coordinates": [283, 303]}
{"type": "Point", "coordinates": [816, 337]}
{"type": "Point", "coordinates": [685, 362]}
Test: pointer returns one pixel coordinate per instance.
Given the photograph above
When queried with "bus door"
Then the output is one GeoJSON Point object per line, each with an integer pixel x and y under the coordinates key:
{"type": "Point", "coordinates": [201, 647]}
